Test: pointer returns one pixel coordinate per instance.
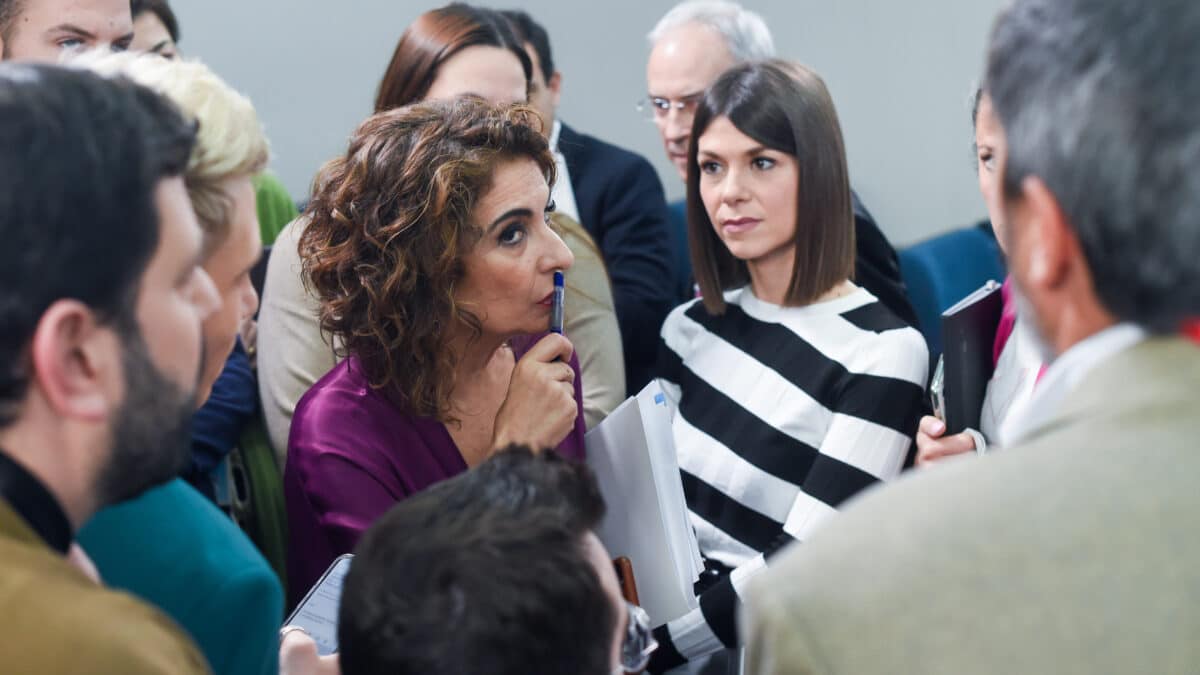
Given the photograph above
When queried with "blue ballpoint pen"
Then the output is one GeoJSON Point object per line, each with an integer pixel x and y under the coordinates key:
{"type": "Point", "coordinates": [556, 305]}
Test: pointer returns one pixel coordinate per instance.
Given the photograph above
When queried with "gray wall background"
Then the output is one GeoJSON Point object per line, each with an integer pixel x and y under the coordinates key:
{"type": "Point", "coordinates": [900, 73]}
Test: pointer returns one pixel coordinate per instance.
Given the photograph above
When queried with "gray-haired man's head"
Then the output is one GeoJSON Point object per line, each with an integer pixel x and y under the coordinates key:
{"type": "Point", "coordinates": [1098, 100]}
{"type": "Point", "coordinates": [690, 47]}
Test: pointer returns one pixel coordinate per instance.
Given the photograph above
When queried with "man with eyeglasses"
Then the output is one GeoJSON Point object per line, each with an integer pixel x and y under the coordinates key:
{"type": "Point", "coordinates": [497, 571]}
{"type": "Point", "coordinates": [690, 47]}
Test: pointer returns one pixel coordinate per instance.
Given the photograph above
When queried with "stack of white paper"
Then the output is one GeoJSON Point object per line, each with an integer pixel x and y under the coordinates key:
{"type": "Point", "coordinates": [632, 453]}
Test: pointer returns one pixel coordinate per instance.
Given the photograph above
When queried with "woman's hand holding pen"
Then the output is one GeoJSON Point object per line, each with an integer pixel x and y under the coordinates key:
{"type": "Point", "coordinates": [539, 409]}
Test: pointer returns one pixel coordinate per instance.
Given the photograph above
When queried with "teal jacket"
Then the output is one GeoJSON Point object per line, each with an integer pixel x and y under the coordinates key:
{"type": "Point", "coordinates": [176, 550]}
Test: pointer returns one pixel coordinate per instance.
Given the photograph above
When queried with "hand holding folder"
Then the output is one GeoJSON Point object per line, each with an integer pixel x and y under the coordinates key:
{"type": "Point", "coordinates": [968, 335]}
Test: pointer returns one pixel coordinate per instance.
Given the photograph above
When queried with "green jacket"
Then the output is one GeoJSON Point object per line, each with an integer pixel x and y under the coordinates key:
{"type": "Point", "coordinates": [179, 552]}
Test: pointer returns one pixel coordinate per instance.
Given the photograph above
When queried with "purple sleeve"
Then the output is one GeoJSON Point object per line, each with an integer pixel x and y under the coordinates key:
{"type": "Point", "coordinates": [572, 446]}
{"type": "Point", "coordinates": [337, 482]}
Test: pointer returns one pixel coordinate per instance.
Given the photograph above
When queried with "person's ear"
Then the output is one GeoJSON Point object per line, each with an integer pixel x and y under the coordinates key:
{"type": "Point", "coordinates": [1052, 246]}
{"type": "Point", "coordinates": [555, 87]}
{"type": "Point", "coordinates": [76, 362]}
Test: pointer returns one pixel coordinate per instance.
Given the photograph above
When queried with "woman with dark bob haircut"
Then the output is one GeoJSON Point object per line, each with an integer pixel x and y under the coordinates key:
{"type": "Point", "coordinates": [446, 52]}
{"type": "Point", "coordinates": [429, 248]}
{"type": "Point", "coordinates": [795, 388]}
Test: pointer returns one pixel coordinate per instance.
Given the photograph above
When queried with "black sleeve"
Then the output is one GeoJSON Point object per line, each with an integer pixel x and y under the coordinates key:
{"type": "Point", "coordinates": [876, 266]}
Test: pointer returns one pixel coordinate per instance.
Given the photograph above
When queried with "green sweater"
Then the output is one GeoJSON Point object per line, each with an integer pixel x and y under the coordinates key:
{"type": "Point", "coordinates": [275, 206]}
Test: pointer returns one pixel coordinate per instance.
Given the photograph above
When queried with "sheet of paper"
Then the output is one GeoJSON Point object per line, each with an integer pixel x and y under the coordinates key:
{"type": "Point", "coordinates": [657, 414]}
{"type": "Point", "coordinates": [633, 456]}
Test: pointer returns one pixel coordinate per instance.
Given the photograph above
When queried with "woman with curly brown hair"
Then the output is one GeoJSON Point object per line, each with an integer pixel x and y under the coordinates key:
{"type": "Point", "coordinates": [446, 52]}
{"type": "Point", "coordinates": [429, 247]}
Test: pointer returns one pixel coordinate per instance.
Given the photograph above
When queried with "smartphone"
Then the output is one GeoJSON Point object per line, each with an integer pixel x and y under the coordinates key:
{"type": "Point", "coordinates": [317, 613]}
{"type": "Point", "coordinates": [937, 390]}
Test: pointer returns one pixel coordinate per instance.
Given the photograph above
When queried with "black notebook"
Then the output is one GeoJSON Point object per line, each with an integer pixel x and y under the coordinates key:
{"type": "Point", "coordinates": [968, 336]}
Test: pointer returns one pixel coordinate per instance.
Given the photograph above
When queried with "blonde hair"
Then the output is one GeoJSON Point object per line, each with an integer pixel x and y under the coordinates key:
{"type": "Point", "coordinates": [230, 141]}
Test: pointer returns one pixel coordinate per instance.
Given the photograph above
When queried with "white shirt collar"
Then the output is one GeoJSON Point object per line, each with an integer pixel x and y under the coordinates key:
{"type": "Point", "coordinates": [555, 130]}
{"type": "Point", "coordinates": [563, 194]}
{"type": "Point", "coordinates": [1063, 376]}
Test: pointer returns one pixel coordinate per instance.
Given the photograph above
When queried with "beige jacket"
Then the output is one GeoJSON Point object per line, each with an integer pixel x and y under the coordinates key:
{"type": "Point", "coordinates": [1077, 551]}
{"type": "Point", "coordinates": [293, 355]}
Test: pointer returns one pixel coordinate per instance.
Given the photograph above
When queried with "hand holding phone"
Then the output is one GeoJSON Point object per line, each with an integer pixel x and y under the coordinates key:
{"type": "Point", "coordinates": [317, 613]}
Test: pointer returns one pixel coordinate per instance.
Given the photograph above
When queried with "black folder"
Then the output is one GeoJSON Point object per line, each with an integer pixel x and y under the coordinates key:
{"type": "Point", "coordinates": [968, 336]}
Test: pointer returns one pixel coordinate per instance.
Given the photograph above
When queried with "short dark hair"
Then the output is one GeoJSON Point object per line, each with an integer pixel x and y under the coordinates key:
{"type": "Point", "coordinates": [80, 157]}
{"type": "Point", "coordinates": [786, 107]}
{"type": "Point", "coordinates": [162, 10]}
{"type": "Point", "coordinates": [1098, 99]}
{"type": "Point", "coordinates": [531, 32]}
{"type": "Point", "coordinates": [433, 38]}
{"type": "Point", "coordinates": [484, 573]}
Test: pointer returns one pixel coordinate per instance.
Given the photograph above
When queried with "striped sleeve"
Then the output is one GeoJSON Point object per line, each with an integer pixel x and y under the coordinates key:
{"type": "Point", "coordinates": [708, 628]}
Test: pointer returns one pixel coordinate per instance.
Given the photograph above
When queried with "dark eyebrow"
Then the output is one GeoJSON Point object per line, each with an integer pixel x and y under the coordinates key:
{"type": "Point", "coordinates": [159, 47]}
{"type": "Point", "coordinates": [756, 150]}
{"type": "Point", "coordinates": [72, 28]}
{"type": "Point", "coordinates": [685, 97]}
{"type": "Point", "coordinates": [511, 213]}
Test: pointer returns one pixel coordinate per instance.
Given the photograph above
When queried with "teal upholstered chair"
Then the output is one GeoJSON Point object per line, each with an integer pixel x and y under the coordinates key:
{"type": "Point", "coordinates": [943, 270]}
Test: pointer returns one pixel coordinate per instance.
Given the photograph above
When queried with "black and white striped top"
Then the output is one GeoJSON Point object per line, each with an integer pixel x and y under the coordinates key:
{"type": "Point", "coordinates": [783, 414]}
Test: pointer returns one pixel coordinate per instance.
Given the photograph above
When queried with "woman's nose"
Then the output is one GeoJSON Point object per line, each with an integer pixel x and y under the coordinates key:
{"type": "Point", "coordinates": [733, 188]}
{"type": "Point", "coordinates": [557, 255]}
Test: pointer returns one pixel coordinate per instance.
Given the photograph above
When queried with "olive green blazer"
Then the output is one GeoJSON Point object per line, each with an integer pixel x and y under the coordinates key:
{"type": "Point", "coordinates": [55, 620]}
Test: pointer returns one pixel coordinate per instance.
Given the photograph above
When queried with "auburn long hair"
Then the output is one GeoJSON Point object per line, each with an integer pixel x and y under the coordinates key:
{"type": "Point", "coordinates": [433, 38]}
{"type": "Point", "coordinates": [389, 225]}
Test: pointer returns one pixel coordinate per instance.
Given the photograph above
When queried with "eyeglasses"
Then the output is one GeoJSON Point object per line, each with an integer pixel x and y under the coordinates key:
{"type": "Point", "coordinates": [639, 642]}
{"type": "Point", "coordinates": [657, 107]}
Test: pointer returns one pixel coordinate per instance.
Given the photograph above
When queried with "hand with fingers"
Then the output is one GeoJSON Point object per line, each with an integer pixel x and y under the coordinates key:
{"type": "Point", "coordinates": [933, 445]}
{"type": "Point", "coordinates": [540, 408]}
{"type": "Point", "coordinates": [298, 655]}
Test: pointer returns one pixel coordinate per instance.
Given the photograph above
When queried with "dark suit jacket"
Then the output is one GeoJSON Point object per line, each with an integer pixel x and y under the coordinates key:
{"type": "Point", "coordinates": [876, 267]}
{"type": "Point", "coordinates": [621, 204]}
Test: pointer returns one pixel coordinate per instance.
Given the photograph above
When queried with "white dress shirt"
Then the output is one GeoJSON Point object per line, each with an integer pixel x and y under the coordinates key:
{"type": "Point", "coordinates": [1064, 375]}
{"type": "Point", "coordinates": [562, 194]}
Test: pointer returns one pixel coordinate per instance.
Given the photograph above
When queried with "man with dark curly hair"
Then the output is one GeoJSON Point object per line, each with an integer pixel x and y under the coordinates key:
{"type": "Point", "coordinates": [495, 571]}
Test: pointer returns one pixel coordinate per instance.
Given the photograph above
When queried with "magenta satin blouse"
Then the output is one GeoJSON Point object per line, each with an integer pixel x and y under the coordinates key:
{"type": "Point", "coordinates": [352, 454]}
